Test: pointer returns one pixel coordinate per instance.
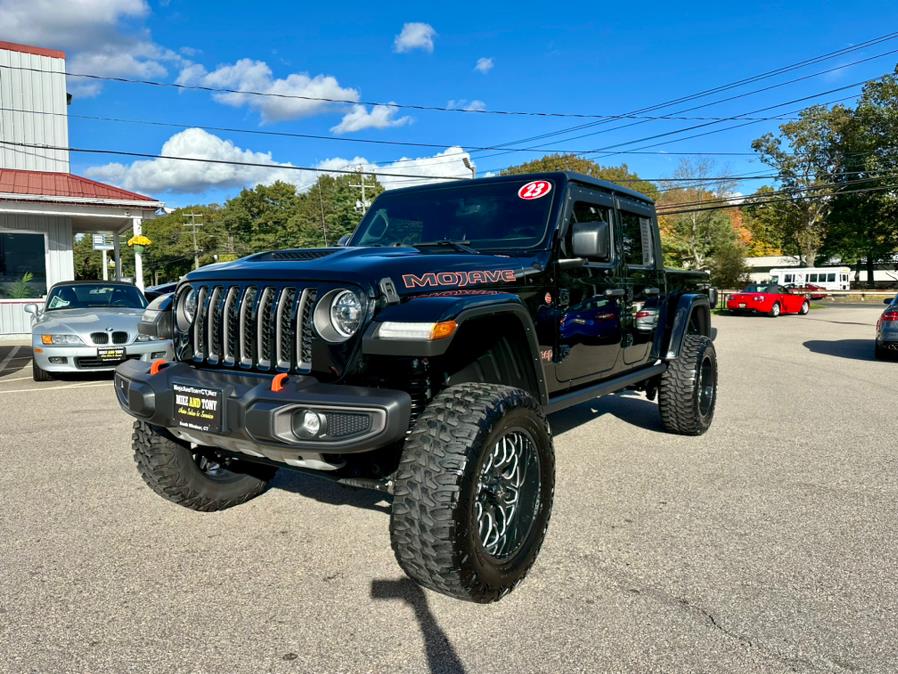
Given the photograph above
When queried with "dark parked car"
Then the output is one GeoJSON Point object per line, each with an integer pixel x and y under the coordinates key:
{"type": "Point", "coordinates": [411, 362]}
{"type": "Point", "coordinates": [158, 291]}
{"type": "Point", "coordinates": [887, 330]}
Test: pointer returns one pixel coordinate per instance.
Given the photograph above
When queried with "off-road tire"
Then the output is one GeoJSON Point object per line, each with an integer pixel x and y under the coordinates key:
{"type": "Point", "coordinates": [39, 374]}
{"type": "Point", "coordinates": [880, 353]}
{"type": "Point", "coordinates": [433, 528]}
{"type": "Point", "coordinates": [679, 396]}
{"type": "Point", "coordinates": [169, 469]}
{"type": "Point", "coordinates": [775, 310]}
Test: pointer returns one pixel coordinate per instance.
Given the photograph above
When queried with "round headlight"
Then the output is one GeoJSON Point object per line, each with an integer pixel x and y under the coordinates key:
{"type": "Point", "coordinates": [186, 310]}
{"type": "Point", "coordinates": [339, 315]}
{"type": "Point", "coordinates": [346, 313]}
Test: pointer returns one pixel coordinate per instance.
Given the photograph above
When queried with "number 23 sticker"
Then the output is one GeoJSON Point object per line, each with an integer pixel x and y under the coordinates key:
{"type": "Point", "coordinates": [535, 189]}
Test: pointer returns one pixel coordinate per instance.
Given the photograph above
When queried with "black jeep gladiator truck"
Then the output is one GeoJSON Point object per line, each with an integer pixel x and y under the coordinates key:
{"type": "Point", "coordinates": [421, 358]}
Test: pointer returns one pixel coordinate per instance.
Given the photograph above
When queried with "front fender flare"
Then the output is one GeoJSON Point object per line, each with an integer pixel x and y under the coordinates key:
{"type": "Point", "coordinates": [458, 308]}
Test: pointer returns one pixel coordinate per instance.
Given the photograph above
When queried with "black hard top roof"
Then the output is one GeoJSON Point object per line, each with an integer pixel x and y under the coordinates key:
{"type": "Point", "coordinates": [97, 282]}
{"type": "Point", "coordinates": [558, 176]}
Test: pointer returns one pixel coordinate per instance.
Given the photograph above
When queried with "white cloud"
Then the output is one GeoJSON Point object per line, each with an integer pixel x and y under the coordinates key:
{"type": "Point", "coordinates": [102, 37]}
{"type": "Point", "coordinates": [446, 165]}
{"type": "Point", "coordinates": [379, 117]}
{"type": "Point", "coordinates": [415, 35]}
{"type": "Point", "coordinates": [484, 65]}
{"type": "Point", "coordinates": [172, 175]}
{"type": "Point", "coordinates": [287, 101]}
{"type": "Point", "coordinates": [463, 104]}
{"type": "Point", "coordinates": [156, 176]}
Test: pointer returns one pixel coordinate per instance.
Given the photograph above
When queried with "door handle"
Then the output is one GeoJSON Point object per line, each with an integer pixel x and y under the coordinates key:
{"type": "Point", "coordinates": [652, 291]}
{"type": "Point", "coordinates": [615, 292]}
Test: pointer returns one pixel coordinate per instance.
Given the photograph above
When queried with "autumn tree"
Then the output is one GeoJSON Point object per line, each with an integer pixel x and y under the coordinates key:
{"type": "Point", "coordinates": [567, 162]}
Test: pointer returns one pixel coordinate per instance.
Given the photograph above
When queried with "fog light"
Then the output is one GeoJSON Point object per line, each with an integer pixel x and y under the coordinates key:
{"type": "Point", "coordinates": [57, 360]}
{"type": "Point", "coordinates": [308, 424]}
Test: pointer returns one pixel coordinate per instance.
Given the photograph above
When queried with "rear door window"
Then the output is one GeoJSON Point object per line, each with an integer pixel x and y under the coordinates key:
{"type": "Point", "coordinates": [637, 238]}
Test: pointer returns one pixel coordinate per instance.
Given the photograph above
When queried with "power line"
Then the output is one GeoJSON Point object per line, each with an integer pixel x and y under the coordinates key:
{"type": "Point", "coordinates": [763, 202]}
{"type": "Point", "coordinates": [310, 136]}
{"type": "Point", "coordinates": [731, 85]}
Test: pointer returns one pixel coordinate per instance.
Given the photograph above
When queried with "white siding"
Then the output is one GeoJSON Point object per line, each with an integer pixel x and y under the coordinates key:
{"type": "Point", "coordinates": [58, 232]}
{"type": "Point", "coordinates": [33, 93]}
{"type": "Point", "coordinates": [14, 322]}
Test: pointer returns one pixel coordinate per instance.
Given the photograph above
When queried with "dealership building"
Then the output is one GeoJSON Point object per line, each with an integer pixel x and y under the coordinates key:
{"type": "Point", "coordinates": [43, 206]}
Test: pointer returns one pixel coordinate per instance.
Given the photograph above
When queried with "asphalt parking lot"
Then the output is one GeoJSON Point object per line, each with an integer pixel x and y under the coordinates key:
{"type": "Point", "coordinates": [766, 545]}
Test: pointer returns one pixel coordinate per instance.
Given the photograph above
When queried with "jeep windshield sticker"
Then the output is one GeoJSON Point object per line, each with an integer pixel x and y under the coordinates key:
{"type": "Point", "coordinates": [535, 189]}
{"type": "Point", "coordinates": [458, 278]}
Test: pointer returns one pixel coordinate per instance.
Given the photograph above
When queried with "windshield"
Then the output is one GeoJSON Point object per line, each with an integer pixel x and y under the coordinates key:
{"type": "Point", "coordinates": [483, 215]}
{"type": "Point", "coordinates": [86, 295]}
{"type": "Point", "coordinates": [757, 288]}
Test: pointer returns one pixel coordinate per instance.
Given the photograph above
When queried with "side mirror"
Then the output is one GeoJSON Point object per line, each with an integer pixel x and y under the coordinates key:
{"type": "Point", "coordinates": [157, 318]}
{"type": "Point", "coordinates": [591, 240]}
{"type": "Point", "coordinates": [31, 309]}
{"type": "Point", "coordinates": [344, 240]}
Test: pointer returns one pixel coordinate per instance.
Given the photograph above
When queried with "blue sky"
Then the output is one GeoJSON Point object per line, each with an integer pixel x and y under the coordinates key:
{"type": "Point", "coordinates": [578, 57]}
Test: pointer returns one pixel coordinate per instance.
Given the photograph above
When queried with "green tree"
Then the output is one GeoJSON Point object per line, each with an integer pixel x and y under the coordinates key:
{"type": "Point", "coordinates": [566, 162]}
{"type": "Point", "coordinates": [807, 160]}
{"type": "Point", "coordinates": [863, 227]}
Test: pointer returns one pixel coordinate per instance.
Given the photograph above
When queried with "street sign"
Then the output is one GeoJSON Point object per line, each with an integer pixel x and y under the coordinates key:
{"type": "Point", "coordinates": [102, 241]}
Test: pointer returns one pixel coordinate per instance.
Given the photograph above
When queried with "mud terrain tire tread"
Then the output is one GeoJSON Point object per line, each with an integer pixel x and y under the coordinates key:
{"type": "Point", "coordinates": [678, 396]}
{"type": "Point", "coordinates": [169, 470]}
{"type": "Point", "coordinates": [427, 531]}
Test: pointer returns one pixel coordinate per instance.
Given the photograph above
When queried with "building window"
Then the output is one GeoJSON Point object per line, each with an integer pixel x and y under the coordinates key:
{"type": "Point", "coordinates": [21, 255]}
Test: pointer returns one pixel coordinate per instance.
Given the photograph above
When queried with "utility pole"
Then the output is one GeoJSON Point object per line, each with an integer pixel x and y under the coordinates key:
{"type": "Point", "coordinates": [362, 205]}
{"type": "Point", "coordinates": [321, 206]}
{"type": "Point", "coordinates": [193, 224]}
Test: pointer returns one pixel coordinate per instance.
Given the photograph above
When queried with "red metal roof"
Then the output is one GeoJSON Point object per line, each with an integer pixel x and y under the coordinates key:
{"type": "Point", "coordinates": [63, 186]}
{"type": "Point", "coordinates": [28, 49]}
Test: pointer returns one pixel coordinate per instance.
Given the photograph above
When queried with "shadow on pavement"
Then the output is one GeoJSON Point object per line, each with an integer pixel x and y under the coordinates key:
{"type": "Point", "coordinates": [441, 655]}
{"type": "Point", "coordinates": [627, 407]}
{"type": "Point", "coordinates": [14, 359]}
{"type": "Point", "coordinates": [327, 491]}
{"type": "Point", "coordinates": [855, 349]}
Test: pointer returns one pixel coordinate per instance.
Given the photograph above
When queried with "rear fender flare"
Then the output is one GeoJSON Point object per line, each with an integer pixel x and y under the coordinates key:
{"type": "Point", "coordinates": [691, 308]}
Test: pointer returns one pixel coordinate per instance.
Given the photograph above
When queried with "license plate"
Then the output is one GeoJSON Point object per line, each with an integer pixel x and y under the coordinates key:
{"type": "Point", "coordinates": [111, 354]}
{"type": "Point", "coordinates": [741, 305]}
{"type": "Point", "coordinates": [197, 408]}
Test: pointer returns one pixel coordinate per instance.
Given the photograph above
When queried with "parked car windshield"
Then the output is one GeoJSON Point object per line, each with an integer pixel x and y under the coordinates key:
{"type": "Point", "coordinates": [485, 215]}
{"type": "Point", "coordinates": [757, 288]}
{"type": "Point", "coordinates": [87, 295]}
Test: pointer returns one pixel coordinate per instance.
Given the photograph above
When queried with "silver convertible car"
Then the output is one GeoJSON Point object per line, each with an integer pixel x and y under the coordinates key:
{"type": "Point", "coordinates": [90, 326]}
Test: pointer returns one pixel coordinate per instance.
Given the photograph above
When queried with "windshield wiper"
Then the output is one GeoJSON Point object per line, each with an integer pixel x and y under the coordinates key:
{"type": "Point", "coordinates": [460, 246]}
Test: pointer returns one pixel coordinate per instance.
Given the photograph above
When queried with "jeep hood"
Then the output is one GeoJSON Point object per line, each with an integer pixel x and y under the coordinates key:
{"type": "Point", "coordinates": [411, 270]}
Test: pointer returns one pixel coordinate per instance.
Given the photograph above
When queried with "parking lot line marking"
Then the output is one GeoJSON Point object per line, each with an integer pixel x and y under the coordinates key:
{"type": "Point", "coordinates": [50, 388]}
{"type": "Point", "coordinates": [9, 357]}
{"type": "Point", "coordinates": [16, 379]}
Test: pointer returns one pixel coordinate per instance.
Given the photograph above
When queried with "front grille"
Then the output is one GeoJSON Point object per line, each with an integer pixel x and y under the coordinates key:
{"type": "Point", "coordinates": [118, 337]}
{"type": "Point", "coordinates": [262, 327]}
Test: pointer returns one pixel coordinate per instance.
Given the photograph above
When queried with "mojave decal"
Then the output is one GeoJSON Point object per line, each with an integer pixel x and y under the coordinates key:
{"type": "Point", "coordinates": [433, 279]}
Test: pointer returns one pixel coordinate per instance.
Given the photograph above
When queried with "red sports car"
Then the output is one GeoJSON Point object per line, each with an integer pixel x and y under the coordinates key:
{"type": "Point", "coordinates": [772, 300]}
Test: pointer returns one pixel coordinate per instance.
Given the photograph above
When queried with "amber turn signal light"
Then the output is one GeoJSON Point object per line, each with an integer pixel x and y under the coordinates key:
{"type": "Point", "coordinates": [443, 329]}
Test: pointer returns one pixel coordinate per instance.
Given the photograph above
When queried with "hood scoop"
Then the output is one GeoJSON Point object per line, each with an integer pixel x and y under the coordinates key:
{"type": "Point", "coordinates": [292, 255]}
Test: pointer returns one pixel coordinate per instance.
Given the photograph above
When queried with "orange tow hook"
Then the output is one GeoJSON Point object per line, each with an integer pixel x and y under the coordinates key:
{"type": "Point", "coordinates": [277, 384]}
{"type": "Point", "coordinates": [157, 365]}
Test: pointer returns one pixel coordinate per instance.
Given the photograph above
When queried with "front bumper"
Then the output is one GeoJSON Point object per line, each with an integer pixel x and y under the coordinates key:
{"type": "Point", "coordinates": [84, 358]}
{"type": "Point", "coordinates": [257, 421]}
